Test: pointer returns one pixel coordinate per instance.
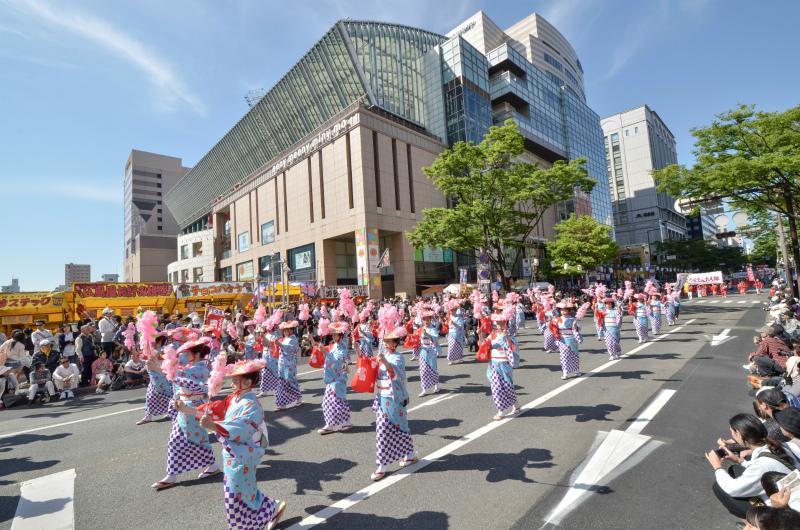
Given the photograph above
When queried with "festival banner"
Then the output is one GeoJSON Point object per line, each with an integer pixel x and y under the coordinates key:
{"type": "Point", "coordinates": [34, 302]}
{"type": "Point", "coordinates": [704, 278]}
{"type": "Point", "coordinates": [122, 290]}
{"type": "Point", "coordinates": [214, 319]}
{"type": "Point", "coordinates": [210, 289]}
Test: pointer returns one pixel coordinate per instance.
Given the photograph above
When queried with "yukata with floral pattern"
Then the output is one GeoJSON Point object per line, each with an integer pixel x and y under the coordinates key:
{"type": "Point", "coordinates": [159, 390]}
{"type": "Point", "coordinates": [568, 337]}
{"type": "Point", "coordinates": [429, 351]}
{"type": "Point", "coordinates": [499, 372]}
{"type": "Point", "coordinates": [455, 338]}
{"type": "Point", "coordinates": [365, 339]}
{"type": "Point", "coordinates": [188, 446]}
{"type": "Point", "coordinates": [246, 507]}
{"type": "Point", "coordinates": [288, 390]}
{"type": "Point", "coordinates": [392, 435]}
{"type": "Point", "coordinates": [655, 316]}
{"type": "Point", "coordinates": [269, 374]}
{"type": "Point", "coordinates": [335, 407]}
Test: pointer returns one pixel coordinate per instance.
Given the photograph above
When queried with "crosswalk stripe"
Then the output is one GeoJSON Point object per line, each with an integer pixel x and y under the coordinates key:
{"type": "Point", "coordinates": [714, 302]}
{"type": "Point", "coordinates": [728, 302]}
{"type": "Point", "coordinates": [46, 502]}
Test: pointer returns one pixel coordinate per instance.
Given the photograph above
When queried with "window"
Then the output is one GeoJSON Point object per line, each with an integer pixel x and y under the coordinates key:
{"type": "Point", "coordinates": [158, 202]}
{"type": "Point", "coordinates": [197, 248]}
{"type": "Point", "coordinates": [160, 219]}
{"type": "Point", "coordinates": [302, 258]}
{"type": "Point", "coordinates": [268, 232]}
{"type": "Point", "coordinates": [627, 132]}
{"type": "Point", "coordinates": [244, 271]}
{"type": "Point", "coordinates": [244, 241]}
{"type": "Point", "coordinates": [197, 274]}
{"type": "Point", "coordinates": [226, 274]}
{"type": "Point", "coordinates": [160, 227]}
{"type": "Point", "coordinates": [636, 130]}
{"type": "Point", "coordinates": [549, 59]}
{"type": "Point", "coordinates": [614, 137]}
{"type": "Point", "coordinates": [184, 251]}
{"type": "Point", "coordinates": [158, 185]}
{"type": "Point", "coordinates": [185, 276]}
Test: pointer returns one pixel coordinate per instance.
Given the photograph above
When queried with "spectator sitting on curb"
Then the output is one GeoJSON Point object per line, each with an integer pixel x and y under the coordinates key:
{"type": "Point", "coordinates": [135, 370]}
{"type": "Point", "coordinates": [41, 380]}
{"type": "Point", "coordinates": [101, 372]}
{"type": "Point", "coordinates": [66, 378]}
{"type": "Point", "coordinates": [46, 356]}
{"type": "Point", "coordinates": [8, 383]}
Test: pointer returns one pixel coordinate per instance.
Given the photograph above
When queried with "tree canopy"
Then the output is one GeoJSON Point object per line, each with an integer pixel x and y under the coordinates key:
{"type": "Point", "coordinates": [581, 241]}
{"type": "Point", "coordinates": [497, 199]}
{"type": "Point", "coordinates": [702, 255]}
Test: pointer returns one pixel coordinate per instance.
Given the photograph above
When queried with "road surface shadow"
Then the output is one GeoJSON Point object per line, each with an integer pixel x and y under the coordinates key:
{"type": "Point", "coordinates": [10, 466]}
{"type": "Point", "coordinates": [421, 427]}
{"type": "Point", "coordinates": [308, 476]}
{"type": "Point", "coordinates": [426, 520]}
{"type": "Point", "coordinates": [7, 444]}
{"type": "Point", "coordinates": [499, 466]}
{"type": "Point", "coordinates": [660, 356]}
{"type": "Point", "coordinates": [633, 374]}
{"type": "Point", "coordinates": [79, 403]}
{"type": "Point", "coordinates": [582, 413]}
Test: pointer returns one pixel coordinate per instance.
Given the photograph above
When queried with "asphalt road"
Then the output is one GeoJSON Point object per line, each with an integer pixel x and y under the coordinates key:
{"type": "Point", "coordinates": [475, 473]}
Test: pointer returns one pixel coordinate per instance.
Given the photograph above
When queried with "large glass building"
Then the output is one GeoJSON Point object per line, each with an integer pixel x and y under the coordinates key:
{"type": "Point", "coordinates": [325, 171]}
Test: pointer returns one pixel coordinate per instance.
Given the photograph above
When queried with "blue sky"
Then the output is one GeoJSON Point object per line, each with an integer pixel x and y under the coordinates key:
{"type": "Point", "coordinates": [84, 82]}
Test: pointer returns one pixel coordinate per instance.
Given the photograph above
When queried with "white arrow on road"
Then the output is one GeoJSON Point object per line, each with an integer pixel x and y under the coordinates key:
{"type": "Point", "coordinates": [716, 340]}
{"type": "Point", "coordinates": [610, 458]}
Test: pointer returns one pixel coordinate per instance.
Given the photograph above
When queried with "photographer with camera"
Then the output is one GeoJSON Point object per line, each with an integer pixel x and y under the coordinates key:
{"type": "Point", "coordinates": [736, 484]}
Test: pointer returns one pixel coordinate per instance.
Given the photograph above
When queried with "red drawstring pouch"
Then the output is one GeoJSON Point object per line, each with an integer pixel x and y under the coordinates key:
{"type": "Point", "coordinates": [317, 359]}
{"type": "Point", "coordinates": [366, 373]}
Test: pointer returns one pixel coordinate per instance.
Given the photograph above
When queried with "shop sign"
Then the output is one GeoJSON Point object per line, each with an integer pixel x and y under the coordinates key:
{"type": "Point", "coordinates": [185, 290]}
{"type": "Point", "coordinates": [16, 301]}
{"type": "Point", "coordinates": [121, 290]}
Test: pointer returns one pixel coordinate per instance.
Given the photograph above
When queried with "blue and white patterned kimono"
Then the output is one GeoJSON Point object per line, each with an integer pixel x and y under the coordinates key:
{"type": "Point", "coordinates": [655, 316]}
{"type": "Point", "coordinates": [611, 322]}
{"type": "Point", "coordinates": [455, 339]}
{"type": "Point", "coordinates": [365, 339]}
{"type": "Point", "coordinates": [428, 366]}
{"type": "Point", "coordinates": [499, 372]}
{"type": "Point", "coordinates": [188, 446]}
{"type": "Point", "coordinates": [246, 507]}
{"type": "Point", "coordinates": [335, 407]}
{"type": "Point", "coordinates": [567, 344]}
{"type": "Point", "coordinates": [288, 390]}
{"type": "Point", "coordinates": [519, 315]}
{"type": "Point", "coordinates": [392, 434]}
{"type": "Point", "coordinates": [159, 394]}
{"type": "Point", "coordinates": [269, 374]}
{"type": "Point", "coordinates": [249, 348]}
{"type": "Point", "coordinates": [640, 316]}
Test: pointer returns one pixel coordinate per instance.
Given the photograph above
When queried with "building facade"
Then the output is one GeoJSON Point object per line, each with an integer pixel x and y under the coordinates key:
{"type": "Point", "coordinates": [324, 173]}
{"type": "Point", "coordinates": [13, 287]}
{"type": "Point", "coordinates": [75, 273]}
{"type": "Point", "coordinates": [701, 226]}
{"type": "Point", "coordinates": [150, 228]}
{"type": "Point", "coordinates": [113, 278]}
{"type": "Point", "coordinates": [637, 141]}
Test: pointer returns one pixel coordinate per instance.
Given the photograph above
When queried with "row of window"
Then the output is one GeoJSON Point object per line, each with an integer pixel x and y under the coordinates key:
{"type": "Point", "coordinates": [182, 276]}
{"type": "Point", "coordinates": [267, 236]}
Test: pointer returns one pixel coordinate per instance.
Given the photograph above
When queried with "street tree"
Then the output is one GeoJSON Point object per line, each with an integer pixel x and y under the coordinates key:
{"type": "Point", "coordinates": [582, 244]}
{"type": "Point", "coordinates": [750, 158]}
{"type": "Point", "coordinates": [702, 255]}
{"type": "Point", "coordinates": [497, 200]}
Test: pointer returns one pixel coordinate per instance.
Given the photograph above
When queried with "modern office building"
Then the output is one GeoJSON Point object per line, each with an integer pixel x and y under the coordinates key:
{"type": "Point", "coordinates": [75, 273]}
{"type": "Point", "coordinates": [150, 229]}
{"type": "Point", "coordinates": [324, 172]}
{"type": "Point", "coordinates": [114, 278]}
{"type": "Point", "coordinates": [13, 287]}
{"type": "Point", "coordinates": [637, 141]}
{"type": "Point", "coordinates": [701, 226]}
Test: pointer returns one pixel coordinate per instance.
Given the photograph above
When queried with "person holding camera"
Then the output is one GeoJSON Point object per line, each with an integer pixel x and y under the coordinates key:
{"type": "Point", "coordinates": [736, 484]}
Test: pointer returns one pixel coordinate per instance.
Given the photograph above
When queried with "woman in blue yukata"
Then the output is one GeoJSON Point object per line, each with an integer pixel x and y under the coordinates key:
{"type": "Point", "coordinates": [287, 394]}
{"type": "Point", "coordinates": [655, 313]}
{"type": "Point", "coordinates": [188, 448]}
{"type": "Point", "coordinates": [455, 333]}
{"type": "Point", "coordinates": [499, 372]}
{"type": "Point", "coordinates": [335, 407]}
{"type": "Point", "coordinates": [269, 374]}
{"type": "Point", "coordinates": [238, 423]}
{"type": "Point", "coordinates": [393, 440]}
{"type": "Point", "coordinates": [159, 390]}
{"type": "Point", "coordinates": [428, 368]}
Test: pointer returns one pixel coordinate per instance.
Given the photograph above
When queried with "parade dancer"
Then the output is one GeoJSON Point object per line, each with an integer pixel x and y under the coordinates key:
{"type": "Point", "coordinates": [519, 315]}
{"type": "Point", "coordinates": [335, 407]}
{"type": "Point", "coordinates": [393, 440]}
{"type": "Point", "coordinates": [549, 342]}
{"type": "Point", "coordinates": [655, 313]}
{"type": "Point", "coordinates": [611, 317]}
{"type": "Point", "coordinates": [268, 383]}
{"type": "Point", "coordinates": [499, 372]}
{"type": "Point", "coordinates": [640, 314]}
{"type": "Point", "coordinates": [455, 334]}
{"type": "Point", "coordinates": [159, 391]}
{"type": "Point", "coordinates": [669, 308]}
{"type": "Point", "coordinates": [567, 335]}
{"type": "Point", "coordinates": [429, 342]}
{"type": "Point", "coordinates": [188, 447]}
{"type": "Point", "coordinates": [541, 319]}
{"type": "Point", "coordinates": [598, 307]}
{"type": "Point", "coordinates": [287, 394]}
{"type": "Point", "coordinates": [237, 421]}
{"type": "Point", "coordinates": [365, 336]}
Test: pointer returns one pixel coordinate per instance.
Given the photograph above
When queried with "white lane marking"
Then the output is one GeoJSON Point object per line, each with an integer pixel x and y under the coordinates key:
{"type": "Point", "coordinates": [616, 448]}
{"type": "Point", "coordinates": [728, 302]}
{"type": "Point", "coordinates": [716, 340]}
{"type": "Point", "coordinates": [742, 302]}
{"type": "Point", "coordinates": [714, 302]}
{"type": "Point", "coordinates": [434, 401]}
{"type": "Point", "coordinates": [376, 487]}
{"type": "Point", "coordinates": [100, 417]}
{"type": "Point", "coordinates": [46, 502]}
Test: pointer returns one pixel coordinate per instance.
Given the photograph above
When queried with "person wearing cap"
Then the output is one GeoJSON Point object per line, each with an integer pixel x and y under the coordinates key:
{"type": "Point", "coordinates": [393, 439]}
{"type": "Point", "coordinates": [768, 358]}
{"type": "Point", "coordinates": [46, 355]}
{"type": "Point", "coordinates": [238, 423]}
{"type": "Point", "coordinates": [189, 448]}
{"type": "Point", "coordinates": [429, 349]}
{"type": "Point", "coordinates": [41, 333]}
{"type": "Point", "coordinates": [640, 314]}
{"type": "Point", "coordinates": [567, 334]}
{"type": "Point", "coordinates": [108, 328]}
{"type": "Point", "coordinates": [655, 313]}
{"type": "Point", "coordinates": [66, 378]}
{"type": "Point", "coordinates": [455, 333]}
{"type": "Point", "coordinates": [41, 379]}
{"type": "Point", "coordinates": [789, 422]}
{"type": "Point", "coordinates": [287, 393]}
{"type": "Point", "coordinates": [611, 318]}
{"type": "Point", "coordinates": [499, 372]}
{"type": "Point", "coordinates": [335, 407]}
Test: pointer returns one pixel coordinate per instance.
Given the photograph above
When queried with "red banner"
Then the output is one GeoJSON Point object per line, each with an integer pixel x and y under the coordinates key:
{"type": "Point", "coordinates": [121, 290]}
{"type": "Point", "coordinates": [214, 318]}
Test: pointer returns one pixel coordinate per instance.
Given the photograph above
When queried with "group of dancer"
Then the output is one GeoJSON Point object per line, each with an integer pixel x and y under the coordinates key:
{"type": "Point", "coordinates": [187, 367]}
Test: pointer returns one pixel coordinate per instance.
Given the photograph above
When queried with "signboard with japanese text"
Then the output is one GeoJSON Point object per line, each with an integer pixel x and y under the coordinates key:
{"type": "Point", "coordinates": [704, 278]}
{"type": "Point", "coordinates": [211, 289]}
{"type": "Point", "coordinates": [37, 302]}
{"type": "Point", "coordinates": [122, 290]}
{"type": "Point", "coordinates": [214, 319]}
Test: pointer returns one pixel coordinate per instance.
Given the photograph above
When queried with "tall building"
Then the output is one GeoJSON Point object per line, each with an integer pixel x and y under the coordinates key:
{"type": "Point", "coordinates": [13, 287]}
{"type": "Point", "coordinates": [637, 141]}
{"type": "Point", "coordinates": [324, 172]}
{"type": "Point", "coordinates": [114, 278]}
{"type": "Point", "coordinates": [74, 273]}
{"type": "Point", "coordinates": [701, 226]}
{"type": "Point", "coordinates": [150, 229]}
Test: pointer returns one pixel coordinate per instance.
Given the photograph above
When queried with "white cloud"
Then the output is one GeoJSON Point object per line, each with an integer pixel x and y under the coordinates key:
{"type": "Point", "coordinates": [170, 89]}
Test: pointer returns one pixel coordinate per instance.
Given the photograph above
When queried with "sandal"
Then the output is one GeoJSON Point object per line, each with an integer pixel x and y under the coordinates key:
{"type": "Point", "coordinates": [161, 485]}
{"type": "Point", "coordinates": [278, 514]}
{"type": "Point", "coordinates": [376, 476]}
{"type": "Point", "coordinates": [408, 461]}
{"type": "Point", "coordinates": [206, 474]}
{"type": "Point", "coordinates": [497, 417]}
{"type": "Point", "coordinates": [323, 431]}
{"type": "Point", "coordinates": [345, 427]}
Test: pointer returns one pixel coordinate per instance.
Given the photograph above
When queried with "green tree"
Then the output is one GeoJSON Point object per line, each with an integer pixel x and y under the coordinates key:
{"type": "Point", "coordinates": [750, 158]}
{"type": "Point", "coordinates": [497, 199]}
{"type": "Point", "coordinates": [701, 255]}
{"type": "Point", "coordinates": [762, 231]}
{"type": "Point", "coordinates": [581, 241]}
